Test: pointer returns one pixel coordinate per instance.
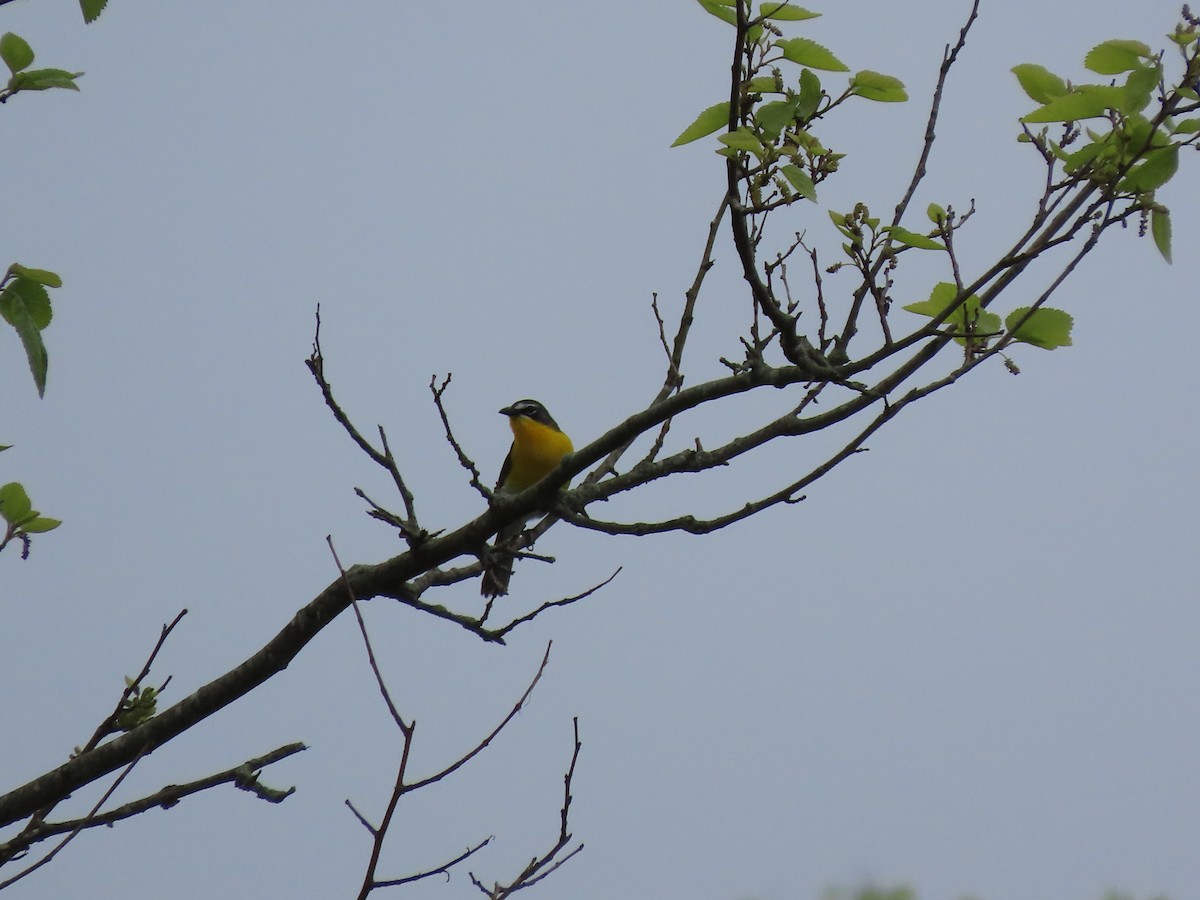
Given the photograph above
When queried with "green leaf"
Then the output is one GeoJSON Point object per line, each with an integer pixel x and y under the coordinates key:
{"type": "Point", "coordinates": [1078, 104]}
{"type": "Point", "coordinates": [18, 313]}
{"type": "Point", "coordinates": [878, 87]}
{"type": "Point", "coordinates": [1140, 134]}
{"type": "Point", "coordinates": [810, 94]}
{"type": "Point", "coordinates": [1115, 57]}
{"type": "Point", "coordinates": [35, 353]}
{"type": "Point", "coordinates": [742, 139]}
{"type": "Point", "coordinates": [40, 525]}
{"type": "Point", "coordinates": [44, 80]}
{"type": "Point", "coordinates": [1187, 126]}
{"type": "Point", "coordinates": [1160, 229]}
{"type": "Point", "coordinates": [1157, 169]}
{"type": "Point", "coordinates": [810, 144]}
{"type": "Point", "coordinates": [1139, 87]}
{"type": "Point", "coordinates": [17, 54]}
{"type": "Point", "coordinates": [942, 295]}
{"type": "Point", "coordinates": [969, 312]}
{"type": "Point", "coordinates": [1045, 328]}
{"type": "Point", "coordinates": [936, 213]}
{"type": "Point", "coordinates": [811, 54]}
{"type": "Point", "coordinates": [14, 503]}
{"type": "Point", "coordinates": [720, 9]}
{"type": "Point", "coordinates": [800, 181]}
{"type": "Point", "coordinates": [29, 296]}
{"type": "Point", "coordinates": [712, 119]}
{"type": "Point", "coordinates": [772, 9]}
{"type": "Point", "coordinates": [1085, 155]}
{"type": "Point", "coordinates": [1039, 83]}
{"type": "Point", "coordinates": [762, 85]}
{"type": "Point", "coordinates": [41, 276]}
{"type": "Point", "coordinates": [773, 117]}
{"type": "Point", "coordinates": [91, 9]}
{"type": "Point", "coordinates": [912, 239]}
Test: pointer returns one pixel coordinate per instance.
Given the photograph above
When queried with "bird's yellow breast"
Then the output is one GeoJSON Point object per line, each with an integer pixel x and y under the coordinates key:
{"type": "Point", "coordinates": [536, 449]}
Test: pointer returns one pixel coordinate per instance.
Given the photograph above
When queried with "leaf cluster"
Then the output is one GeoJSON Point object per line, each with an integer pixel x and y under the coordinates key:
{"type": "Point", "coordinates": [138, 705]}
{"type": "Point", "coordinates": [18, 56]}
{"type": "Point", "coordinates": [772, 117]}
{"type": "Point", "coordinates": [20, 518]}
{"type": "Point", "coordinates": [1108, 136]}
{"type": "Point", "coordinates": [768, 135]}
{"type": "Point", "coordinates": [25, 305]}
{"type": "Point", "coordinates": [974, 327]}
{"type": "Point", "coordinates": [24, 298]}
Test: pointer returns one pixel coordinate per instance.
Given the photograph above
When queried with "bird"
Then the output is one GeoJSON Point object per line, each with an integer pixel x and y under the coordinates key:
{"type": "Point", "coordinates": [538, 446]}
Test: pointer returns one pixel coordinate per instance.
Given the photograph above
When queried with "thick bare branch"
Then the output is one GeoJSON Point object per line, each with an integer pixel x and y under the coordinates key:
{"type": "Point", "coordinates": [244, 776]}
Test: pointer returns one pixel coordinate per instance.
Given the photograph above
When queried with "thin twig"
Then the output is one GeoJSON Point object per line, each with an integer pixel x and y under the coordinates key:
{"type": "Point", "coordinates": [380, 834]}
{"type": "Point", "coordinates": [673, 380]}
{"type": "Point", "coordinates": [949, 56]}
{"type": "Point", "coordinates": [541, 867]}
{"type": "Point", "coordinates": [463, 460]}
{"type": "Point", "coordinates": [483, 745]}
{"type": "Point", "coordinates": [362, 820]}
{"type": "Point", "coordinates": [316, 365]}
{"type": "Point", "coordinates": [405, 727]}
{"type": "Point", "coordinates": [444, 868]}
{"type": "Point", "coordinates": [565, 601]}
{"type": "Point", "coordinates": [673, 375]}
{"type": "Point", "coordinates": [74, 831]}
{"type": "Point", "coordinates": [406, 495]}
{"type": "Point", "coordinates": [409, 527]}
{"type": "Point", "coordinates": [108, 725]}
{"type": "Point", "coordinates": [403, 787]}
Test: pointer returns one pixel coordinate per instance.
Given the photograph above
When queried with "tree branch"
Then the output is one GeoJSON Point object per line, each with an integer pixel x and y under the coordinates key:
{"type": "Point", "coordinates": [543, 866]}
{"type": "Point", "coordinates": [402, 787]}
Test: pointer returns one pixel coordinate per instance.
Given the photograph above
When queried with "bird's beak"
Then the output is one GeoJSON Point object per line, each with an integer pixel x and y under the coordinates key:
{"type": "Point", "coordinates": [508, 411]}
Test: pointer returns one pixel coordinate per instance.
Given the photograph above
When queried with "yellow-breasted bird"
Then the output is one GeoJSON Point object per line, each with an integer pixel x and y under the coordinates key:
{"type": "Point", "coordinates": [538, 446]}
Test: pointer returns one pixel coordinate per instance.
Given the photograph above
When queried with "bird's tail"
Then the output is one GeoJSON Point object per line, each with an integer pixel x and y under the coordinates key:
{"type": "Point", "coordinates": [498, 564]}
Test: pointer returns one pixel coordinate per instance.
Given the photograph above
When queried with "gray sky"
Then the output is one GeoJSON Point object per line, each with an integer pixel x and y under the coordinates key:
{"type": "Point", "coordinates": [967, 662]}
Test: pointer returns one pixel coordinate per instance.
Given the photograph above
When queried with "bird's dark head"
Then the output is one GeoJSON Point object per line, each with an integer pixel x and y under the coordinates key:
{"type": "Point", "coordinates": [529, 409]}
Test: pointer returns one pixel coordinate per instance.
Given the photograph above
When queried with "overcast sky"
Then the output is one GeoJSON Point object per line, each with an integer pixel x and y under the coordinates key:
{"type": "Point", "coordinates": [967, 662]}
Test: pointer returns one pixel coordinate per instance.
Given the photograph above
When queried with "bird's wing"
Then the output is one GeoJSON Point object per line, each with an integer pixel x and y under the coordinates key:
{"type": "Point", "coordinates": [504, 470]}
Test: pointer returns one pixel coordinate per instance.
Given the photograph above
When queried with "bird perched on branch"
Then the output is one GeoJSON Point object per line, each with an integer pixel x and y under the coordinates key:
{"type": "Point", "coordinates": [538, 446]}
